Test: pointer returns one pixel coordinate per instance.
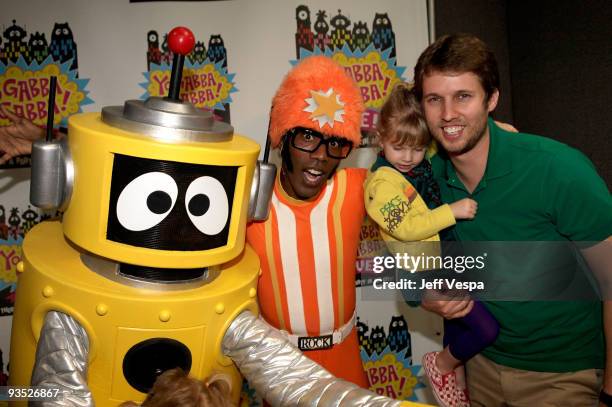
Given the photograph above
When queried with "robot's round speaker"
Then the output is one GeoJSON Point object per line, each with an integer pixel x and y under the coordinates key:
{"type": "Point", "coordinates": [148, 359]}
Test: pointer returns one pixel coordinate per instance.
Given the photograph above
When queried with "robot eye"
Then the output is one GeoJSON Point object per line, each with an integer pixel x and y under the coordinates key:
{"type": "Point", "coordinates": [146, 201]}
{"type": "Point", "coordinates": [378, 21]}
{"type": "Point", "coordinates": [65, 31]}
{"type": "Point", "coordinates": [207, 205]}
{"type": "Point", "coordinates": [58, 31]}
{"type": "Point", "coordinates": [302, 15]}
{"type": "Point", "coordinates": [152, 37]}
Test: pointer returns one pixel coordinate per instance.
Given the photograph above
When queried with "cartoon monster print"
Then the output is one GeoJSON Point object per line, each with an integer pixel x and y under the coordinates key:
{"type": "Point", "coordinates": [216, 50]}
{"type": "Point", "coordinates": [38, 47]}
{"type": "Point", "coordinates": [62, 46]}
{"type": "Point", "coordinates": [321, 39]}
{"type": "Point", "coordinates": [198, 55]}
{"type": "Point", "coordinates": [383, 36]}
{"type": "Point", "coordinates": [399, 337]}
{"type": "Point", "coordinates": [378, 339]}
{"type": "Point", "coordinates": [14, 221]}
{"type": "Point", "coordinates": [30, 218]}
{"type": "Point", "coordinates": [340, 34]}
{"type": "Point", "coordinates": [154, 54]}
{"type": "Point", "coordinates": [362, 335]}
{"type": "Point", "coordinates": [361, 37]}
{"type": "Point", "coordinates": [4, 230]}
{"type": "Point", "coordinates": [16, 45]}
{"type": "Point", "coordinates": [304, 37]}
{"type": "Point", "coordinates": [166, 54]}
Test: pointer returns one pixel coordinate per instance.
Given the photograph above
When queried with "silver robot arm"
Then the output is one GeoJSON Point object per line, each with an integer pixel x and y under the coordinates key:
{"type": "Point", "coordinates": [281, 373]}
{"type": "Point", "coordinates": [62, 361]}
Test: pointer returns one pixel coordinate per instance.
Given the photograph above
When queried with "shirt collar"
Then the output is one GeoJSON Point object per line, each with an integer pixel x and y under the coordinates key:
{"type": "Point", "coordinates": [499, 163]}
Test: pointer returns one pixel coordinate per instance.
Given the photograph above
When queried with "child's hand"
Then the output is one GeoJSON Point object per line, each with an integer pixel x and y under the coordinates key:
{"type": "Point", "coordinates": [464, 209]}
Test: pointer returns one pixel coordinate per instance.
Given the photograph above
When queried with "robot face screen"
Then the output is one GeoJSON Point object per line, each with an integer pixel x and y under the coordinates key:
{"type": "Point", "coordinates": [168, 205]}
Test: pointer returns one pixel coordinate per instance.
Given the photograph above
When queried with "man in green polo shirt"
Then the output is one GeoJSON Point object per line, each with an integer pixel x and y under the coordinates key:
{"type": "Point", "coordinates": [528, 188]}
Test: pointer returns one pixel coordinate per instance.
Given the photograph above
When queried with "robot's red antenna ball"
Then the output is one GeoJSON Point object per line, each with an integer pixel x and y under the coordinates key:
{"type": "Point", "coordinates": [181, 40]}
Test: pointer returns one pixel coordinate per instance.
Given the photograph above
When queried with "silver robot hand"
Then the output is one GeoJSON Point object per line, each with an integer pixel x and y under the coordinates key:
{"type": "Point", "coordinates": [281, 373]}
{"type": "Point", "coordinates": [61, 361]}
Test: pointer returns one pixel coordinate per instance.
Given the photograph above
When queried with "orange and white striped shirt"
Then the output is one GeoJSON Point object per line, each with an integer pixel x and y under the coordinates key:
{"type": "Point", "coordinates": [308, 251]}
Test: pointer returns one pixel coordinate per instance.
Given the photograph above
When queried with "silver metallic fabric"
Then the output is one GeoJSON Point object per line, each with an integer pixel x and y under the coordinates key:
{"type": "Point", "coordinates": [281, 373]}
{"type": "Point", "coordinates": [61, 361]}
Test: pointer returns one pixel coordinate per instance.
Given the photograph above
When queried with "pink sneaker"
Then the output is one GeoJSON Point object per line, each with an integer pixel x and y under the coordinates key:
{"type": "Point", "coordinates": [463, 398]}
{"type": "Point", "coordinates": [443, 386]}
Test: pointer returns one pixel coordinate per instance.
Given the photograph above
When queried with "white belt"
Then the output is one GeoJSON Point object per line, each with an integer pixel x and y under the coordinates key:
{"type": "Point", "coordinates": [323, 341]}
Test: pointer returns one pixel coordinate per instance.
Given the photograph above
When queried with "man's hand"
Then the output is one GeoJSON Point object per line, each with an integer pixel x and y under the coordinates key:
{"type": "Point", "coordinates": [446, 306]}
{"type": "Point", "coordinates": [506, 126]}
{"type": "Point", "coordinates": [16, 139]}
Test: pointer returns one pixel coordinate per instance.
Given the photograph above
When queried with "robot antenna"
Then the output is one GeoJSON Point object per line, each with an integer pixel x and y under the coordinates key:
{"type": "Point", "coordinates": [181, 42]}
{"type": "Point", "coordinates": [51, 108]}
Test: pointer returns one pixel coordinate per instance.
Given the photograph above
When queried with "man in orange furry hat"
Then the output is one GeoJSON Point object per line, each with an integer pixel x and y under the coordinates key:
{"type": "Point", "coordinates": [308, 245]}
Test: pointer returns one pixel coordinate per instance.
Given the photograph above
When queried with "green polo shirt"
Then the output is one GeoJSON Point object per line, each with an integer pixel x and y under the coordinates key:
{"type": "Point", "coordinates": [536, 189]}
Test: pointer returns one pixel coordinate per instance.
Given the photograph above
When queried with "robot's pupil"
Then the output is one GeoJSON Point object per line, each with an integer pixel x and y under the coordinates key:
{"type": "Point", "coordinates": [199, 204]}
{"type": "Point", "coordinates": [159, 202]}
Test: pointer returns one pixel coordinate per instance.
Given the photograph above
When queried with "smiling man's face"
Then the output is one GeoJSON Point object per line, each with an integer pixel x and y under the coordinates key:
{"type": "Point", "coordinates": [456, 109]}
{"type": "Point", "coordinates": [309, 171]}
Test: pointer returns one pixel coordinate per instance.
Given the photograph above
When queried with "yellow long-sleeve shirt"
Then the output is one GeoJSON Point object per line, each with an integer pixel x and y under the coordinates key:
{"type": "Point", "coordinates": [401, 213]}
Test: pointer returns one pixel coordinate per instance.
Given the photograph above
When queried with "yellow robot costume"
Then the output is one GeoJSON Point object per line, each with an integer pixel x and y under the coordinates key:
{"type": "Point", "coordinates": [149, 258]}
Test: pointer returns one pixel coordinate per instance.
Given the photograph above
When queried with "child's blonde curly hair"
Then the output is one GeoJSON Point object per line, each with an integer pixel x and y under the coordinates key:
{"type": "Point", "coordinates": [174, 388]}
{"type": "Point", "coordinates": [401, 119]}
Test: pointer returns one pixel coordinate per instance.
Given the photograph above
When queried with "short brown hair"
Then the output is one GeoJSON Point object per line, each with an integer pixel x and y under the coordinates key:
{"type": "Point", "coordinates": [458, 53]}
{"type": "Point", "coordinates": [174, 388]}
{"type": "Point", "coordinates": [401, 119]}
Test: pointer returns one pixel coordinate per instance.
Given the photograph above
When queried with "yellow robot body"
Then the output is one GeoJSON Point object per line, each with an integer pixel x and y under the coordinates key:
{"type": "Point", "coordinates": [118, 316]}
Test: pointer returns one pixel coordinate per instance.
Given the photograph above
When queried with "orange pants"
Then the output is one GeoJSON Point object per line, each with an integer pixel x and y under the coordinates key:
{"type": "Point", "coordinates": [343, 360]}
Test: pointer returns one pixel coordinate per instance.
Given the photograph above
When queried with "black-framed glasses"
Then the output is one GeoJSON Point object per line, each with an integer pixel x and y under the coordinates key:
{"type": "Point", "coordinates": [308, 140]}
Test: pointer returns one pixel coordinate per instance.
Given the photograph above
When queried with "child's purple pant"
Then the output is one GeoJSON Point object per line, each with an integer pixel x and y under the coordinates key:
{"type": "Point", "coordinates": [471, 334]}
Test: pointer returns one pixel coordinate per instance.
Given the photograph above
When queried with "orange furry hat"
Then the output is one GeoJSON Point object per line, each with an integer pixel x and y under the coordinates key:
{"type": "Point", "coordinates": [319, 95]}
